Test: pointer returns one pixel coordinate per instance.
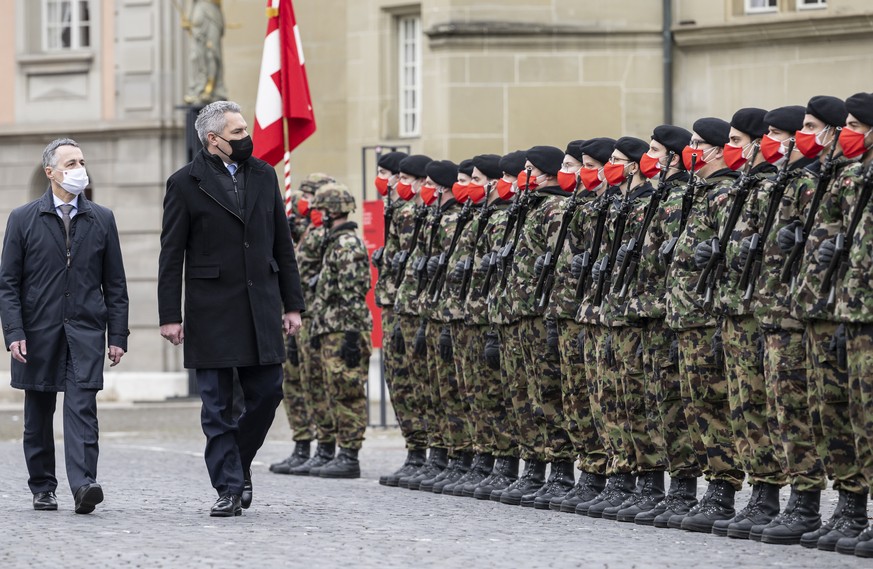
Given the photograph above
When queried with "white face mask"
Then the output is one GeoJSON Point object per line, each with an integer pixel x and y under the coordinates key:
{"type": "Point", "coordinates": [75, 180]}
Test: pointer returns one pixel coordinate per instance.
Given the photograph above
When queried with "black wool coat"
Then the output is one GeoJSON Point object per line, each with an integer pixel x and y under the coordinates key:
{"type": "Point", "coordinates": [240, 272]}
{"type": "Point", "coordinates": [57, 306]}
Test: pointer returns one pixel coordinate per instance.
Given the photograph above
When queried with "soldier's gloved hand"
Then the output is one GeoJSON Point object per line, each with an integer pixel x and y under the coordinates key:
{"type": "Point", "coordinates": [395, 260]}
{"type": "Point", "coordinates": [397, 341]}
{"type": "Point", "coordinates": [538, 265]}
{"type": "Point", "coordinates": [785, 237]}
{"type": "Point", "coordinates": [291, 350]}
{"type": "Point", "coordinates": [313, 282]}
{"type": "Point", "coordinates": [702, 254]}
{"type": "Point", "coordinates": [552, 338]}
{"type": "Point", "coordinates": [665, 251]}
{"type": "Point", "coordinates": [718, 348]}
{"type": "Point", "coordinates": [743, 254]}
{"type": "Point", "coordinates": [826, 251]}
{"type": "Point", "coordinates": [492, 350]}
{"type": "Point", "coordinates": [620, 255]}
{"type": "Point", "coordinates": [419, 346]}
{"type": "Point", "coordinates": [432, 264]}
{"type": "Point", "coordinates": [457, 276]}
{"type": "Point", "coordinates": [485, 263]}
{"type": "Point", "coordinates": [350, 350]}
{"type": "Point", "coordinates": [576, 266]}
{"type": "Point", "coordinates": [315, 342]}
{"type": "Point", "coordinates": [595, 273]}
{"type": "Point", "coordinates": [445, 344]}
{"type": "Point", "coordinates": [377, 259]}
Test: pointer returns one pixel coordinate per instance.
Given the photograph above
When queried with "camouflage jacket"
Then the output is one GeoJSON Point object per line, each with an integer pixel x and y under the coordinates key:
{"type": "Point", "coordinates": [296, 222]}
{"type": "Point", "coordinates": [854, 295]}
{"type": "Point", "coordinates": [309, 261]}
{"type": "Point", "coordinates": [646, 294]}
{"type": "Point", "coordinates": [808, 302]}
{"type": "Point", "coordinates": [340, 296]}
{"type": "Point", "coordinates": [445, 308]}
{"type": "Point", "coordinates": [406, 295]}
{"type": "Point", "coordinates": [497, 301]}
{"type": "Point", "coordinates": [582, 239]}
{"type": "Point", "coordinates": [684, 305]}
{"type": "Point", "coordinates": [401, 229]}
{"type": "Point", "coordinates": [563, 304]}
{"type": "Point", "coordinates": [538, 233]}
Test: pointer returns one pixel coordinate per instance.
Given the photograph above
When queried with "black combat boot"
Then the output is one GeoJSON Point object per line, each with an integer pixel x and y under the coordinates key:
{"type": "Point", "coordinates": [436, 463]}
{"type": "Point", "coordinates": [504, 473]}
{"type": "Point", "coordinates": [863, 543]}
{"type": "Point", "coordinates": [651, 494]}
{"type": "Point", "coordinates": [498, 491]}
{"type": "Point", "coordinates": [414, 460]}
{"type": "Point", "coordinates": [762, 510]}
{"type": "Point", "coordinates": [756, 531]}
{"type": "Point", "coordinates": [563, 479]}
{"type": "Point", "coordinates": [324, 453]}
{"type": "Point", "coordinates": [681, 498]}
{"type": "Point", "coordinates": [296, 458]}
{"type": "Point", "coordinates": [536, 477]}
{"type": "Point", "coordinates": [610, 512]}
{"type": "Point", "coordinates": [803, 518]}
{"type": "Point", "coordinates": [619, 488]}
{"type": "Point", "coordinates": [587, 488]}
{"type": "Point", "coordinates": [717, 504]}
{"type": "Point", "coordinates": [463, 464]}
{"type": "Point", "coordinates": [345, 465]}
{"type": "Point", "coordinates": [720, 527]}
{"type": "Point", "coordinates": [480, 470]}
{"type": "Point", "coordinates": [849, 520]}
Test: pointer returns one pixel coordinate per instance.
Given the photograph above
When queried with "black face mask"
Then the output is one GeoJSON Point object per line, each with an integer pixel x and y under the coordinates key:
{"type": "Point", "coordinates": [240, 150]}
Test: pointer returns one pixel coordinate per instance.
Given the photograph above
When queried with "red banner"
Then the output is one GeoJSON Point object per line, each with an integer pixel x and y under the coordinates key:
{"type": "Point", "coordinates": [374, 237]}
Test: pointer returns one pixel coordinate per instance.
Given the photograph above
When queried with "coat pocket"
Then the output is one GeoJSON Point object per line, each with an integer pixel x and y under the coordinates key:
{"type": "Point", "coordinates": [203, 272]}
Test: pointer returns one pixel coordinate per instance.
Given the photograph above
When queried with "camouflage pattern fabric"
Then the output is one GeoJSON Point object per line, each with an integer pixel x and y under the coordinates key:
{"type": "Point", "coordinates": [607, 397]}
{"type": "Point", "coordinates": [854, 299]}
{"type": "Point", "coordinates": [406, 395]}
{"type": "Point", "coordinates": [480, 388]}
{"type": "Point", "coordinates": [315, 385]}
{"type": "Point", "coordinates": [428, 390]}
{"type": "Point", "coordinates": [346, 388]}
{"type": "Point", "coordinates": [294, 401]}
{"type": "Point", "coordinates": [448, 404]}
{"type": "Point", "coordinates": [859, 344]}
{"type": "Point", "coordinates": [592, 343]}
{"type": "Point", "coordinates": [309, 254]}
{"type": "Point", "coordinates": [400, 233]}
{"type": "Point", "coordinates": [514, 376]}
{"type": "Point", "coordinates": [476, 308]}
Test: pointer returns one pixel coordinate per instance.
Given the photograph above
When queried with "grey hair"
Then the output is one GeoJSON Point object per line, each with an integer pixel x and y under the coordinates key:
{"type": "Point", "coordinates": [49, 155]}
{"type": "Point", "coordinates": [211, 119]}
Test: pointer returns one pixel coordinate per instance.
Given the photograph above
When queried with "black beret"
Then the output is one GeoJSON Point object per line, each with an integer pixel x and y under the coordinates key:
{"type": "Point", "coordinates": [750, 120]}
{"type": "Point", "coordinates": [574, 149]}
{"type": "Point", "coordinates": [633, 148]}
{"type": "Point", "coordinates": [391, 161]}
{"type": "Point", "coordinates": [673, 138]}
{"type": "Point", "coordinates": [489, 164]}
{"type": "Point", "coordinates": [443, 172]}
{"type": "Point", "coordinates": [415, 165]}
{"type": "Point", "coordinates": [861, 107]}
{"type": "Point", "coordinates": [546, 158]}
{"type": "Point", "coordinates": [599, 148]}
{"type": "Point", "coordinates": [789, 119]}
{"type": "Point", "coordinates": [829, 110]}
{"type": "Point", "coordinates": [512, 163]}
{"type": "Point", "coordinates": [714, 131]}
{"type": "Point", "coordinates": [466, 167]}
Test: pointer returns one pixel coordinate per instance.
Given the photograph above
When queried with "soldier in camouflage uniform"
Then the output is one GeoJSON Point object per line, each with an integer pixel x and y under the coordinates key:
{"type": "Point", "coordinates": [701, 355]}
{"type": "Point", "coordinates": [341, 327]}
{"type": "Point", "coordinates": [305, 401]}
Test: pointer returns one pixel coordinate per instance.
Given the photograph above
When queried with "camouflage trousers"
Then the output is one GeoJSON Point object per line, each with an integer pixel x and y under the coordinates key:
{"type": "Point", "coordinates": [399, 379]}
{"type": "Point", "coordinates": [346, 388]}
{"type": "Point", "coordinates": [294, 401]}
{"type": "Point", "coordinates": [578, 417]}
{"type": "Point", "coordinates": [591, 344]}
{"type": "Point", "coordinates": [608, 396]}
{"type": "Point", "coordinates": [785, 376]}
{"type": "Point", "coordinates": [859, 350]}
{"type": "Point", "coordinates": [665, 410]}
{"type": "Point", "coordinates": [463, 357]}
{"type": "Point", "coordinates": [447, 403]}
{"type": "Point", "coordinates": [753, 413]}
{"type": "Point", "coordinates": [315, 386]}
{"type": "Point", "coordinates": [703, 377]}
{"type": "Point", "coordinates": [829, 407]}
{"type": "Point", "coordinates": [514, 375]}
{"type": "Point", "coordinates": [505, 424]}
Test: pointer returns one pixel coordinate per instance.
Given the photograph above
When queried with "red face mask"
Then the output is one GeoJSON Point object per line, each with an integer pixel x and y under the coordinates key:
{"type": "Point", "coordinates": [460, 192]}
{"type": "Point", "coordinates": [404, 191]}
{"type": "Point", "coordinates": [733, 156]}
{"type": "Point", "coordinates": [476, 192]}
{"type": "Point", "coordinates": [428, 194]}
{"type": "Point", "coordinates": [614, 173]}
{"type": "Point", "coordinates": [316, 218]}
{"type": "Point", "coordinates": [650, 167]}
{"type": "Point", "coordinates": [771, 149]}
{"type": "Point", "coordinates": [807, 143]}
{"type": "Point", "coordinates": [688, 153]}
{"type": "Point", "coordinates": [567, 180]}
{"type": "Point", "coordinates": [382, 186]}
{"type": "Point", "coordinates": [504, 189]}
{"type": "Point", "coordinates": [522, 177]}
{"type": "Point", "coordinates": [302, 206]}
{"type": "Point", "coordinates": [590, 178]}
{"type": "Point", "coordinates": [852, 143]}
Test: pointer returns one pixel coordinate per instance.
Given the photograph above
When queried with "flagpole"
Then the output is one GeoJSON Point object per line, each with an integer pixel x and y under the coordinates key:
{"type": "Point", "coordinates": [287, 169]}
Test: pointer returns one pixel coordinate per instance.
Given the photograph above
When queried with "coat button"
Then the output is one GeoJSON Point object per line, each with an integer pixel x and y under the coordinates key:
{"type": "Point", "coordinates": [66, 320]}
{"type": "Point", "coordinates": [67, 293]}
{"type": "Point", "coordinates": [246, 244]}
{"type": "Point", "coordinates": [251, 283]}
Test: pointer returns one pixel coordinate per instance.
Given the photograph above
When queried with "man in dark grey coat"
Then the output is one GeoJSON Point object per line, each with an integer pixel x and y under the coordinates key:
{"type": "Point", "coordinates": [62, 286]}
{"type": "Point", "coordinates": [224, 226]}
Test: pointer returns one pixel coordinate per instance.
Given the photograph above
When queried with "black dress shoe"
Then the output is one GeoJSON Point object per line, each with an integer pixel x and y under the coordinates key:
{"type": "Point", "coordinates": [246, 499]}
{"type": "Point", "coordinates": [87, 497]}
{"type": "Point", "coordinates": [45, 501]}
{"type": "Point", "coordinates": [226, 507]}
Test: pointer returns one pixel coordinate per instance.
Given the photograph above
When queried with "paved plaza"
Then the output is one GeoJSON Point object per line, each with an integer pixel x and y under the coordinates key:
{"type": "Point", "coordinates": [158, 496]}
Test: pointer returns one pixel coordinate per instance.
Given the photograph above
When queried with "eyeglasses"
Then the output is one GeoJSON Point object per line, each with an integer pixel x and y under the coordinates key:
{"type": "Point", "coordinates": [614, 159]}
{"type": "Point", "coordinates": [695, 144]}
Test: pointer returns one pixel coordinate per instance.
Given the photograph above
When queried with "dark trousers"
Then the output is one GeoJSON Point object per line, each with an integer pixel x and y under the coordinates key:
{"type": "Point", "coordinates": [231, 444]}
{"type": "Point", "coordinates": [80, 437]}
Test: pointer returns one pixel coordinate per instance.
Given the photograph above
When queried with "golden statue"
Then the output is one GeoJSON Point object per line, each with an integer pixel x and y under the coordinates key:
{"type": "Point", "coordinates": [205, 24]}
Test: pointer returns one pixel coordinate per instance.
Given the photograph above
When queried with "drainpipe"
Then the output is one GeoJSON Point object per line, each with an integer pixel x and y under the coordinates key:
{"type": "Point", "coordinates": [667, 38]}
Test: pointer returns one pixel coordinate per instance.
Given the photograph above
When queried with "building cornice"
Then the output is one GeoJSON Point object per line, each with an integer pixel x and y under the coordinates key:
{"type": "Point", "coordinates": [32, 131]}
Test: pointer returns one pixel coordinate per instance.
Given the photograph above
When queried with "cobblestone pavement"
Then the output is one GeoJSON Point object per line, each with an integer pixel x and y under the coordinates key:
{"type": "Point", "coordinates": [158, 496]}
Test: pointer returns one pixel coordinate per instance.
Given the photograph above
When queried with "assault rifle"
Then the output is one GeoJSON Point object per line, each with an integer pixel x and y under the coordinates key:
{"type": "Point", "coordinates": [508, 251]}
{"type": "Point", "coordinates": [606, 264]}
{"type": "Point", "coordinates": [511, 219]}
{"type": "Point", "coordinates": [547, 276]}
{"type": "Point", "coordinates": [601, 206]}
{"type": "Point", "coordinates": [687, 202]}
{"type": "Point", "coordinates": [482, 220]}
{"type": "Point", "coordinates": [438, 280]}
{"type": "Point", "coordinates": [421, 265]}
{"type": "Point", "coordinates": [388, 216]}
{"type": "Point", "coordinates": [420, 216]}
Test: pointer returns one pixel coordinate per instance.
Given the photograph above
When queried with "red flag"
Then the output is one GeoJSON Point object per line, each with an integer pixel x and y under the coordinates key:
{"type": "Point", "coordinates": [283, 90]}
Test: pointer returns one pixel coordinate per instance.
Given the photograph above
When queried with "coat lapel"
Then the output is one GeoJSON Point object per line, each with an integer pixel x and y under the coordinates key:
{"type": "Point", "coordinates": [206, 180]}
{"type": "Point", "coordinates": [82, 221]}
{"type": "Point", "coordinates": [254, 189]}
{"type": "Point", "coordinates": [52, 222]}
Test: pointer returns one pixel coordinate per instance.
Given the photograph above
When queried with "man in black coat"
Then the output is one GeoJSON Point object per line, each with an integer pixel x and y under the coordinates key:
{"type": "Point", "coordinates": [62, 286]}
{"type": "Point", "coordinates": [224, 224]}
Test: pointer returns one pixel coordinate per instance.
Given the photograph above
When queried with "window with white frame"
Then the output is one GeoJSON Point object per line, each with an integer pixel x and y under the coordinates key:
{"type": "Point", "coordinates": [409, 75]}
{"type": "Point", "coordinates": [66, 24]}
{"type": "Point", "coordinates": [811, 4]}
{"type": "Point", "coordinates": [761, 6]}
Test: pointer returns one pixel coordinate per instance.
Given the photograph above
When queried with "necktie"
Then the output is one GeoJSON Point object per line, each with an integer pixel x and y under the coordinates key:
{"type": "Point", "coordinates": [65, 210]}
{"type": "Point", "coordinates": [232, 169]}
